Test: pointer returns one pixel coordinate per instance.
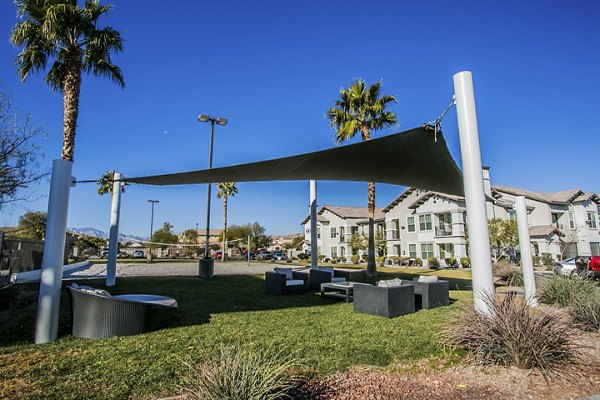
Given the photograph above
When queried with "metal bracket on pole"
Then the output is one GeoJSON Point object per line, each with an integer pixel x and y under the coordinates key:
{"type": "Point", "coordinates": [479, 242]}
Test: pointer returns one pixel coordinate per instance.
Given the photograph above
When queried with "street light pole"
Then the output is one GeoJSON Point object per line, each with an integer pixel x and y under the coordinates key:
{"type": "Point", "coordinates": [206, 265]}
{"type": "Point", "coordinates": [151, 228]}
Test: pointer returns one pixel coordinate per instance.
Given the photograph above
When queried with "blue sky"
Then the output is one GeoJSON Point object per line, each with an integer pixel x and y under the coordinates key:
{"type": "Point", "coordinates": [274, 67]}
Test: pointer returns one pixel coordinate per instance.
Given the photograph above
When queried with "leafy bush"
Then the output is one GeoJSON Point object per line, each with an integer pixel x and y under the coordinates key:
{"type": "Point", "coordinates": [547, 261]}
{"type": "Point", "coordinates": [516, 335]}
{"type": "Point", "coordinates": [418, 262]}
{"type": "Point", "coordinates": [403, 260]}
{"type": "Point", "coordinates": [565, 290]}
{"type": "Point", "coordinates": [433, 263]}
{"type": "Point", "coordinates": [237, 373]}
{"type": "Point", "coordinates": [465, 262]}
{"type": "Point", "coordinates": [537, 260]}
{"type": "Point", "coordinates": [379, 261]}
{"type": "Point", "coordinates": [289, 261]}
{"type": "Point", "coordinates": [321, 257]}
{"type": "Point", "coordinates": [303, 256]}
{"type": "Point", "coordinates": [508, 272]}
{"type": "Point", "coordinates": [354, 258]}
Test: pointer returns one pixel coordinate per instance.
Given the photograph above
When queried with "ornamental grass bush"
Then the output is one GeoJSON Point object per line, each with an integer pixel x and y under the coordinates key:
{"type": "Point", "coordinates": [508, 272]}
{"type": "Point", "coordinates": [585, 311]}
{"type": "Point", "coordinates": [236, 372]}
{"type": "Point", "coordinates": [516, 335]}
{"type": "Point", "coordinates": [565, 290]}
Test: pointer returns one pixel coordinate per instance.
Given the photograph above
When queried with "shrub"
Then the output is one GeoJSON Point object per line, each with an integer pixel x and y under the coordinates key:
{"type": "Point", "coordinates": [516, 336]}
{"type": "Point", "coordinates": [354, 258]}
{"type": "Point", "coordinates": [379, 261]}
{"type": "Point", "coordinates": [509, 273]}
{"type": "Point", "coordinates": [465, 262]}
{"type": "Point", "coordinates": [403, 260]}
{"type": "Point", "coordinates": [537, 260]}
{"type": "Point", "coordinates": [547, 261]}
{"type": "Point", "coordinates": [289, 261]}
{"type": "Point", "coordinates": [235, 372]}
{"type": "Point", "coordinates": [564, 290]}
{"type": "Point", "coordinates": [321, 257]}
{"type": "Point", "coordinates": [418, 262]}
{"type": "Point", "coordinates": [585, 311]}
{"type": "Point", "coordinates": [433, 263]}
{"type": "Point", "coordinates": [303, 256]}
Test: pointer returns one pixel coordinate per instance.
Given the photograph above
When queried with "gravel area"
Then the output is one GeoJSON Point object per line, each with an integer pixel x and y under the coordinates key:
{"type": "Point", "coordinates": [172, 269]}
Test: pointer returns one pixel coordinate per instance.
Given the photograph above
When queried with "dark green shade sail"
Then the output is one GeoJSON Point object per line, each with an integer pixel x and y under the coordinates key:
{"type": "Point", "coordinates": [417, 158]}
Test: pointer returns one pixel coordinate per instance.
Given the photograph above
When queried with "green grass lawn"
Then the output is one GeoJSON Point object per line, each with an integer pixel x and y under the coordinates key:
{"type": "Point", "coordinates": [325, 335]}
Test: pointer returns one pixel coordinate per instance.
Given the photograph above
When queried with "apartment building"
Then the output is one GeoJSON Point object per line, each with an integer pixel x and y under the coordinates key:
{"type": "Point", "coordinates": [421, 223]}
{"type": "Point", "coordinates": [335, 226]}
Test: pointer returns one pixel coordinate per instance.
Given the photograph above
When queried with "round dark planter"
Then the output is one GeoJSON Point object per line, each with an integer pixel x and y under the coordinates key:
{"type": "Point", "coordinates": [206, 268]}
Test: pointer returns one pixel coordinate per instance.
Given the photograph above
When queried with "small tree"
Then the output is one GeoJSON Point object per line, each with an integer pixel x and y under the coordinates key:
{"type": "Point", "coordinates": [190, 238]}
{"type": "Point", "coordinates": [503, 235]}
{"type": "Point", "coordinates": [164, 235]}
{"type": "Point", "coordinates": [380, 244]}
{"type": "Point", "coordinates": [357, 242]}
{"type": "Point", "coordinates": [32, 225]}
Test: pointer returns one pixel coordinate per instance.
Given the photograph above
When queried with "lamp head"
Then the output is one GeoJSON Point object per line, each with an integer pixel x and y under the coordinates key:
{"type": "Point", "coordinates": [204, 118]}
{"type": "Point", "coordinates": [222, 121]}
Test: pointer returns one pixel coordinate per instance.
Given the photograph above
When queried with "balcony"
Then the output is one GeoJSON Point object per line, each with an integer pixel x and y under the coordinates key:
{"type": "Point", "coordinates": [443, 230]}
{"type": "Point", "coordinates": [394, 235]}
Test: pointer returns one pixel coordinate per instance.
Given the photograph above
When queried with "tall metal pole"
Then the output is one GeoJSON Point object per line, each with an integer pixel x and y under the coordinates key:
{"type": "Point", "coordinates": [210, 155]}
{"type": "Point", "coordinates": [313, 225]}
{"type": "Point", "coordinates": [151, 229]}
{"type": "Point", "coordinates": [46, 326]}
{"type": "Point", "coordinates": [525, 247]}
{"type": "Point", "coordinates": [248, 251]}
{"type": "Point", "coordinates": [113, 241]}
{"type": "Point", "coordinates": [479, 242]}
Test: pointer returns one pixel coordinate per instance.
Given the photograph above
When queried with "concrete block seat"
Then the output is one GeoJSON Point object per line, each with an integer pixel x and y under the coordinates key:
{"type": "Point", "coordinates": [97, 314]}
{"type": "Point", "coordinates": [326, 274]}
{"type": "Point", "coordinates": [431, 292]}
{"type": "Point", "coordinates": [285, 281]}
{"type": "Point", "coordinates": [388, 299]}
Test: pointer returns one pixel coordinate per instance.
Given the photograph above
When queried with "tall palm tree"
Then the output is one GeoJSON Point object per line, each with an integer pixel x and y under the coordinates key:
{"type": "Point", "coordinates": [105, 183]}
{"type": "Point", "coordinates": [362, 108]}
{"type": "Point", "coordinates": [67, 35]}
{"type": "Point", "coordinates": [226, 189]}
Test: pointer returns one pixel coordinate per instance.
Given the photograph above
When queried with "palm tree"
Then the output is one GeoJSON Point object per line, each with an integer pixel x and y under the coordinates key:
{"type": "Point", "coordinates": [67, 35]}
{"type": "Point", "coordinates": [362, 108]}
{"type": "Point", "coordinates": [105, 183]}
{"type": "Point", "coordinates": [226, 189]}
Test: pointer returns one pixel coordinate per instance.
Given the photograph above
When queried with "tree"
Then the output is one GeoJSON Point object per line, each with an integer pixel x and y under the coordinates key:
{"type": "Point", "coordinates": [105, 183]}
{"type": "Point", "coordinates": [294, 244]}
{"type": "Point", "coordinates": [380, 244]}
{"type": "Point", "coordinates": [165, 235]}
{"type": "Point", "coordinates": [226, 189]}
{"type": "Point", "coordinates": [362, 108]}
{"type": "Point", "coordinates": [67, 35]}
{"type": "Point", "coordinates": [503, 235]}
{"type": "Point", "coordinates": [258, 238]}
{"type": "Point", "coordinates": [358, 241]}
{"type": "Point", "coordinates": [85, 242]}
{"type": "Point", "coordinates": [190, 238]}
{"type": "Point", "coordinates": [32, 225]}
{"type": "Point", "coordinates": [19, 154]}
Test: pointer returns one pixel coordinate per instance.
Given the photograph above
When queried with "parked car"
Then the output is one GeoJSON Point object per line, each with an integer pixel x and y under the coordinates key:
{"type": "Point", "coordinates": [591, 268]}
{"type": "Point", "coordinates": [566, 267]}
{"type": "Point", "coordinates": [218, 255]}
{"type": "Point", "coordinates": [279, 256]}
{"type": "Point", "coordinates": [138, 254]}
{"type": "Point", "coordinates": [264, 255]}
{"type": "Point", "coordinates": [104, 252]}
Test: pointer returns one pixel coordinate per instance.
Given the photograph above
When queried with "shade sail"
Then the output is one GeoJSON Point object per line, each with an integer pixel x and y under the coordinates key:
{"type": "Point", "coordinates": [416, 158]}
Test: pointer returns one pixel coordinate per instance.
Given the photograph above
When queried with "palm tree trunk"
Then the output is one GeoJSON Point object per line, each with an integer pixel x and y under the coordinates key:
{"type": "Point", "coordinates": [71, 88]}
{"type": "Point", "coordinates": [224, 229]}
{"type": "Point", "coordinates": [371, 266]}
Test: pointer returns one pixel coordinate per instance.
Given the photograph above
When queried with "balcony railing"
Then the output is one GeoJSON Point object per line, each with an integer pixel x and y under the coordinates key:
{"type": "Point", "coordinates": [443, 230]}
{"type": "Point", "coordinates": [394, 235]}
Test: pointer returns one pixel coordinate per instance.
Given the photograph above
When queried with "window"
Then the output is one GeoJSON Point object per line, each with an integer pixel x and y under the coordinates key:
{"type": "Point", "coordinates": [446, 250]}
{"type": "Point", "coordinates": [571, 220]}
{"type": "Point", "coordinates": [512, 215]}
{"type": "Point", "coordinates": [308, 231]}
{"type": "Point", "coordinates": [318, 233]}
{"type": "Point", "coordinates": [426, 250]}
{"type": "Point", "coordinates": [412, 250]}
{"type": "Point", "coordinates": [342, 232]}
{"type": "Point", "coordinates": [333, 233]}
{"type": "Point", "coordinates": [353, 229]}
{"type": "Point", "coordinates": [591, 220]}
{"type": "Point", "coordinates": [342, 251]}
{"type": "Point", "coordinates": [410, 223]}
{"type": "Point", "coordinates": [334, 252]}
{"type": "Point", "coordinates": [425, 222]}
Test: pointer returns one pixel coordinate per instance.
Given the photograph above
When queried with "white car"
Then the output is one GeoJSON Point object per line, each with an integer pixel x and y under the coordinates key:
{"type": "Point", "coordinates": [566, 267]}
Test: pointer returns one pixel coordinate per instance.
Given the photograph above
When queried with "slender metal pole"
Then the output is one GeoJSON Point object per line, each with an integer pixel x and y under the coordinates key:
{"type": "Point", "coordinates": [479, 242]}
{"type": "Point", "coordinates": [525, 246]}
{"type": "Point", "coordinates": [313, 225]}
{"type": "Point", "coordinates": [151, 229]}
{"type": "Point", "coordinates": [210, 155]}
{"type": "Point", "coordinates": [248, 251]}
{"type": "Point", "coordinates": [46, 327]}
{"type": "Point", "coordinates": [113, 242]}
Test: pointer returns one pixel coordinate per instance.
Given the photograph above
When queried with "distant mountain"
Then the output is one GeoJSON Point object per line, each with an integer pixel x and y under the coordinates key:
{"type": "Point", "coordinates": [89, 231]}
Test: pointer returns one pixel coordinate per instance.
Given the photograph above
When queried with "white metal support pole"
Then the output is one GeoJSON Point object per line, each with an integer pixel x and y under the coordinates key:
{"type": "Point", "coordinates": [46, 327]}
{"type": "Point", "coordinates": [524, 245]}
{"type": "Point", "coordinates": [248, 250]}
{"type": "Point", "coordinates": [479, 242]}
{"type": "Point", "coordinates": [313, 225]}
{"type": "Point", "coordinates": [113, 240]}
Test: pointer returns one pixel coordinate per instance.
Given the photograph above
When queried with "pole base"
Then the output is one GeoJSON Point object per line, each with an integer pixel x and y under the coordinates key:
{"type": "Point", "coordinates": [206, 268]}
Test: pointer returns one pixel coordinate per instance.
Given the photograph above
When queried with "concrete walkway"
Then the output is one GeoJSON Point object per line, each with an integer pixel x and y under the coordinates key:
{"type": "Point", "coordinates": [142, 268]}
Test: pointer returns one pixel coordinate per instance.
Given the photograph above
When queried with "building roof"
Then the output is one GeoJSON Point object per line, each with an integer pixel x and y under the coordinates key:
{"type": "Point", "coordinates": [320, 219]}
{"type": "Point", "coordinates": [346, 212]}
{"type": "Point", "coordinates": [427, 195]}
{"type": "Point", "coordinates": [588, 196]}
{"type": "Point", "coordinates": [563, 197]}
{"type": "Point", "coordinates": [399, 199]}
{"type": "Point", "coordinates": [541, 231]}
